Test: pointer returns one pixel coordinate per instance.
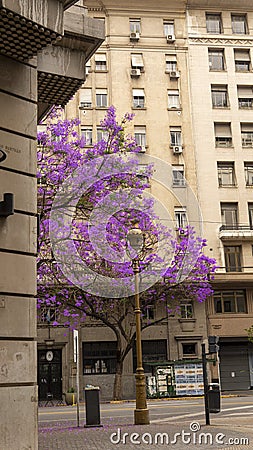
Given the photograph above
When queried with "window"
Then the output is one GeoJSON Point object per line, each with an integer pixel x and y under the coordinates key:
{"type": "Point", "coordinates": [168, 27]}
{"type": "Point", "coordinates": [219, 96]}
{"type": "Point", "coordinates": [152, 350]}
{"type": "Point", "coordinates": [98, 18]}
{"type": "Point", "coordinates": [189, 349]}
{"type": "Point", "coordinates": [213, 23]}
{"type": "Point", "coordinates": [216, 59]}
{"type": "Point", "coordinates": [245, 97]}
{"type": "Point", "coordinates": [178, 176]}
{"type": "Point", "coordinates": [55, 137]}
{"type": "Point", "coordinates": [171, 63]}
{"type": "Point", "coordinates": [138, 98]}
{"type": "Point", "coordinates": [226, 174]}
{"type": "Point", "coordinates": [248, 170]}
{"type": "Point", "coordinates": [102, 134]}
{"type": "Point", "coordinates": [148, 313]}
{"type": "Point", "coordinates": [250, 209]}
{"type": "Point", "coordinates": [229, 302]}
{"type": "Point", "coordinates": [141, 173]}
{"type": "Point", "coordinates": [173, 99]}
{"type": "Point", "coordinates": [223, 136]}
{"type": "Point", "coordinates": [229, 215]}
{"type": "Point", "coordinates": [186, 311]}
{"type": "Point", "coordinates": [137, 61]}
{"type": "Point", "coordinates": [247, 134]}
{"type": "Point", "coordinates": [175, 136]}
{"type": "Point", "coordinates": [140, 136]}
{"type": "Point", "coordinates": [87, 68]}
{"type": "Point", "coordinates": [239, 24]}
{"type": "Point", "coordinates": [180, 217]}
{"type": "Point", "coordinates": [242, 60]}
{"type": "Point", "coordinates": [101, 98]}
{"type": "Point", "coordinates": [233, 258]}
{"type": "Point", "coordinates": [100, 62]}
{"type": "Point", "coordinates": [135, 25]}
{"type": "Point", "coordinates": [85, 96]}
{"type": "Point", "coordinates": [87, 135]}
{"type": "Point", "coordinates": [99, 357]}
{"type": "Point", "coordinates": [48, 314]}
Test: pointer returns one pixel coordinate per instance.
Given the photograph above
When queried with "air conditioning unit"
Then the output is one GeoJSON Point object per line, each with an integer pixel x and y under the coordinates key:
{"type": "Point", "coordinates": [174, 74]}
{"type": "Point", "coordinates": [177, 149]}
{"type": "Point", "coordinates": [170, 38]}
{"type": "Point", "coordinates": [135, 72]}
{"type": "Point", "coordinates": [134, 36]}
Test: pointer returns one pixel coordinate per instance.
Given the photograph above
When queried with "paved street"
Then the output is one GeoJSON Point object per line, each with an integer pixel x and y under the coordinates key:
{"type": "Point", "coordinates": [182, 423]}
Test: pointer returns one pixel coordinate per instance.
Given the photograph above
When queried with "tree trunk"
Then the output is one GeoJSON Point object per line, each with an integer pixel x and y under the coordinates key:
{"type": "Point", "coordinates": [117, 387]}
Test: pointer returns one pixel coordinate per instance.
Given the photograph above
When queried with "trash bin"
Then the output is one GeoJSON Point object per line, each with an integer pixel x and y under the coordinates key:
{"type": "Point", "coordinates": [214, 397]}
{"type": "Point", "coordinates": [92, 407]}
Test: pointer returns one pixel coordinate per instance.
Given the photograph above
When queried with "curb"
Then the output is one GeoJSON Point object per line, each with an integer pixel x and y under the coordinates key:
{"type": "Point", "coordinates": [116, 402]}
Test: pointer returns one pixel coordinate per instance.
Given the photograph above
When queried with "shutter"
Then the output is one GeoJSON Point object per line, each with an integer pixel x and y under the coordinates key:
{"type": "Point", "coordinates": [247, 127]}
{"type": "Point", "coordinates": [171, 58]}
{"type": "Point", "coordinates": [178, 129]}
{"type": "Point", "coordinates": [178, 168]}
{"type": "Point", "coordinates": [245, 91]}
{"type": "Point", "coordinates": [222, 130]}
{"type": "Point", "coordinates": [242, 55]}
{"type": "Point", "coordinates": [219, 87]}
{"type": "Point", "coordinates": [101, 91]}
{"type": "Point", "coordinates": [138, 92]}
{"type": "Point", "coordinates": [85, 96]}
{"type": "Point", "coordinates": [141, 130]}
{"type": "Point", "coordinates": [100, 57]}
{"type": "Point", "coordinates": [137, 60]}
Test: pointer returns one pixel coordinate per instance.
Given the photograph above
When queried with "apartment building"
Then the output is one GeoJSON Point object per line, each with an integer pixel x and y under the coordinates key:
{"type": "Point", "coordinates": [220, 69]}
{"type": "Point", "coordinates": [184, 68]}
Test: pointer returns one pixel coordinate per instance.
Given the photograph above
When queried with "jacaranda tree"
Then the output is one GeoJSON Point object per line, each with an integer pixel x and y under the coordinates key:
{"type": "Point", "coordinates": [88, 199]}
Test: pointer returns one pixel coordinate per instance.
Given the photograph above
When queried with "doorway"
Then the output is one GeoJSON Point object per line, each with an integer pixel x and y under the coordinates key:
{"type": "Point", "coordinates": [50, 374]}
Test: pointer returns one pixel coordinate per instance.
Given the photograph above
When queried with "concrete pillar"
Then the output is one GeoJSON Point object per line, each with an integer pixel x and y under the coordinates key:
{"type": "Point", "coordinates": [18, 390]}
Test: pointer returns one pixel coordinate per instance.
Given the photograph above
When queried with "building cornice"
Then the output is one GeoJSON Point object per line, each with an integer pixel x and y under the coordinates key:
{"type": "Point", "coordinates": [136, 6]}
{"type": "Point", "coordinates": [220, 5]}
{"type": "Point", "coordinates": [221, 40]}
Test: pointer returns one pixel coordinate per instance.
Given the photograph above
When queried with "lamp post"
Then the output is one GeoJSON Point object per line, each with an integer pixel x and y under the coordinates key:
{"type": "Point", "coordinates": [136, 241]}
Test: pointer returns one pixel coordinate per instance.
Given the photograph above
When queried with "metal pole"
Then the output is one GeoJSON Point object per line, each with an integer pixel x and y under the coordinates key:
{"type": "Point", "coordinates": [77, 381]}
{"type": "Point", "coordinates": [205, 383]}
{"type": "Point", "coordinates": [141, 413]}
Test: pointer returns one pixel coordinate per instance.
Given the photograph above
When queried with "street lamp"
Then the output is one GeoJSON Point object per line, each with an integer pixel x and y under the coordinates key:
{"type": "Point", "coordinates": [135, 244]}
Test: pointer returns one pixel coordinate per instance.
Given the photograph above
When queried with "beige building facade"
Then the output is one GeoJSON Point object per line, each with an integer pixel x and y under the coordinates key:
{"type": "Point", "coordinates": [220, 36]}
{"type": "Point", "coordinates": [184, 68]}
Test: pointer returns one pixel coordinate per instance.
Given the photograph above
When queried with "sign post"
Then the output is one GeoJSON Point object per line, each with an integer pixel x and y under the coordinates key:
{"type": "Point", "coordinates": [205, 384]}
{"type": "Point", "coordinates": [76, 360]}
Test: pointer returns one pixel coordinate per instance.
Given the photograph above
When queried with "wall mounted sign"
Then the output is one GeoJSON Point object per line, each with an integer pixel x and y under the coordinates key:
{"type": "Point", "coordinates": [49, 356]}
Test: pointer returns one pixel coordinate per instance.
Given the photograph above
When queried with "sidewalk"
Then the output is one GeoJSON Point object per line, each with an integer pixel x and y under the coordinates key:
{"type": "Point", "coordinates": [225, 433]}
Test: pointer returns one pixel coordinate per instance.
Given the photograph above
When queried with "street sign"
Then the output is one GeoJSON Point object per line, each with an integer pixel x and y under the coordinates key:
{"type": "Point", "coordinates": [75, 336]}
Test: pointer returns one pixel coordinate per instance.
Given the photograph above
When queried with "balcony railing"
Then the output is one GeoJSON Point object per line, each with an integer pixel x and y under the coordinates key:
{"type": "Point", "coordinates": [236, 227]}
{"type": "Point", "coordinates": [236, 232]}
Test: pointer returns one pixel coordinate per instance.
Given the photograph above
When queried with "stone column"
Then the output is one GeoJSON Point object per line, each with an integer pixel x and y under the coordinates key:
{"type": "Point", "coordinates": [18, 377]}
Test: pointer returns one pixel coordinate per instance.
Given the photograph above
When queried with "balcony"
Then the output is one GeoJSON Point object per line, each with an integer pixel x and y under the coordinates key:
{"type": "Point", "coordinates": [224, 279]}
{"type": "Point", "coordinates": [235, 232]}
